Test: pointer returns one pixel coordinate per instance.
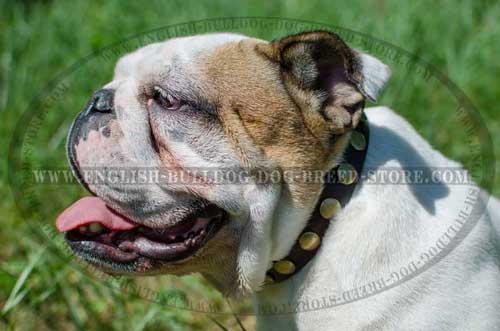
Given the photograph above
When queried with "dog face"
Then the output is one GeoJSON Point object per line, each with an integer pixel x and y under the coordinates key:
{"type": "Point", "coordinates": [218, 103]}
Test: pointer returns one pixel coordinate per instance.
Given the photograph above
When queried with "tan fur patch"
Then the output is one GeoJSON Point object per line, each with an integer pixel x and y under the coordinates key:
{"type": "Point", "coordinates": [261, 118]}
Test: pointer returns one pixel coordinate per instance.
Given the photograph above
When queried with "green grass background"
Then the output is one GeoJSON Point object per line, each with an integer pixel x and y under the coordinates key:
{"type": "Point", "coordinates": [39, 290]}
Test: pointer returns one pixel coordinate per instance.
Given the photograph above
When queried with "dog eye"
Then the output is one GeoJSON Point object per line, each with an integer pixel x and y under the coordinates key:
{"type": "Point", "coordinates": [164, 99]}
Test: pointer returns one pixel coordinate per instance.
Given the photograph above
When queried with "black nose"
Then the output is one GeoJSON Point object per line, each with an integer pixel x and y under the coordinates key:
{"type": "Point", "coordinates": [101, 101]}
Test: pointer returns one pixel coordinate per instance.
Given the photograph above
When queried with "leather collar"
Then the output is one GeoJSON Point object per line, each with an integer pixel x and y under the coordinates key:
{"type": "Point", "coordinates": [339, 186]}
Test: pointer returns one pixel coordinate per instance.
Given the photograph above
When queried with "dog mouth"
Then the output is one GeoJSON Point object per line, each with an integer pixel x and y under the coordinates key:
{"type": "Point", "coordinates": [93, 228]}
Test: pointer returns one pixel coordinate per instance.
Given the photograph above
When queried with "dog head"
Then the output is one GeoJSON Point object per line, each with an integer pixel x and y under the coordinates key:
{"type": "Point", "coordinates": [179, 115]}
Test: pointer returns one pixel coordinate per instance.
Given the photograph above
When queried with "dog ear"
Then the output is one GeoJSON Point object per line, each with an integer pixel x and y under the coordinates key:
{"type": "Point", "coordinates": [322, 73]}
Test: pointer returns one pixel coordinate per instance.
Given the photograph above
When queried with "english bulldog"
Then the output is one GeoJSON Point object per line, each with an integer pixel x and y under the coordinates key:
{"type": "Point", "coordinates": [227, 101]}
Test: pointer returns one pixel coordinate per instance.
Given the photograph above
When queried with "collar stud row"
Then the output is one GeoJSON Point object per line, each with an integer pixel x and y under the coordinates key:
{"type": "Point", "coordinates": [335, 195]}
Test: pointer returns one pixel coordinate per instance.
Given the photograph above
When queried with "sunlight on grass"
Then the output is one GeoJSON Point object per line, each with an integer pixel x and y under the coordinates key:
{"type": "Point", "coordinates": [40, 289]}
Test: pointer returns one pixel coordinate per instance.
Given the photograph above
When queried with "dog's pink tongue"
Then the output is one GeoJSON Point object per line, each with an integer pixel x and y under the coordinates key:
{"type": "Point", "coordinates": [92, 209]}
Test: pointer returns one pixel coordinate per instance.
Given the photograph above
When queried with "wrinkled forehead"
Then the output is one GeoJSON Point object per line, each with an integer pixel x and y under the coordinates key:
{"type": "Point", "coordinates": [174, 55]}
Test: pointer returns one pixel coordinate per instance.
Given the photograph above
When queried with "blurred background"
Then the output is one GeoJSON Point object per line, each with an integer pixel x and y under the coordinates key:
{"type": "Point", "coordinates": [41, 288]}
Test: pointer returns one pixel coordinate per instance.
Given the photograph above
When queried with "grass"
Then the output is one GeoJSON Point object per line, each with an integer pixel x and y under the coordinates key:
{"type": "Point", "coordinates": [40, 287]}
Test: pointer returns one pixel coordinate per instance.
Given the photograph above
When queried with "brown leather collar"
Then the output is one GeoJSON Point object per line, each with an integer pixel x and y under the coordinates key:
{"type": "Point", "coordinates": [340, 183]}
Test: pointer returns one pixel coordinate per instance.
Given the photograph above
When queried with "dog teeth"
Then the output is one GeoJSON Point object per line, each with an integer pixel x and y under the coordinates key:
{"type": "Point", "coordinates": [95, 227]}
{"type": "Point", "coordinates": [92, 228]}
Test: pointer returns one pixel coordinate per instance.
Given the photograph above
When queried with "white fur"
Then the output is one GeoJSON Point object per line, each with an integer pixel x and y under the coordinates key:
{"type": "Point", "coordinates": [383, 228]}
{"type": "Point", "coordinates": [375, 74]}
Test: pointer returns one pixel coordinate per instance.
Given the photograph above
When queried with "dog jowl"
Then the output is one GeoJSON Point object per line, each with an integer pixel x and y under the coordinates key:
{"type": "Point", "coordinates": [216, 101]}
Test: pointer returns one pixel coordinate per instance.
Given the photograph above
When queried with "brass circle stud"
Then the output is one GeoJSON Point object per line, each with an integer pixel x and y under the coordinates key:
{"type": "Point", "coordinates": [284, 267]}
{"type": "Point", "coordinates": [329, 207]}
{"type": "Point", "coordinates": [346, 174]}
{"type": "Point", "coordinates": [309, 241]}
{"type": "Point", "coordinates": [358, 140]}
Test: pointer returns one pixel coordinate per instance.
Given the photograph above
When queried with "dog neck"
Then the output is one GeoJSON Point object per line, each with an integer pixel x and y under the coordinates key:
{"type": "Point", "coordinates": [339, 185]}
